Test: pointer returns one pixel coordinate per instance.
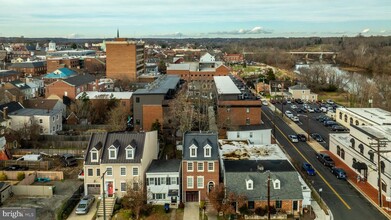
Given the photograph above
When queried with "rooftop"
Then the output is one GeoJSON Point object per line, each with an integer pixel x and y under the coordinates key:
{"type": "Point", "coordinates": [258, 166]}
{"type": "Point", "coordinates": [161, 85]}
{"type": "Point", "coordinates": [32, 112]}
{"type": "Point", "coordinates": [299, 87]}
{"type": "Point", "coordinates": [61, 73]}
{"type": "Point", "coordinates": [106, 95]}
{"type": "Point", "coordinates": [242, 150]}
{"type": "Point", "coordinates": [225, 85]}
{"type": "Point", "coordinates": [29, 64]}
{"type": "Point", "coordinates": [79, 80]}
{"type": "Point", "coordinates": [160, 166]}
{"type": "Point", "coordinates": [377, 116]}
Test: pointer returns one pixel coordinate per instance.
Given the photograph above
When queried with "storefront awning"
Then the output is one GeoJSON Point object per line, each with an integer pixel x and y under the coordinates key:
{"type": "Point", "coordinates": [360, 166]}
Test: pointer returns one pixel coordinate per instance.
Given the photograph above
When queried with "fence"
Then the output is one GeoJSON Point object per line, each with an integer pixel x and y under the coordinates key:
{"type": "Point", "coordinates": [70, 204]}
{"type": "Point", "coordinates": [52, 175]}
{"type": "Point", "coordinates": [23, 190]}
{"type": "Point", "coordinates": [76, 152]}
{"type": "Point", "coordinates": [36, 165]}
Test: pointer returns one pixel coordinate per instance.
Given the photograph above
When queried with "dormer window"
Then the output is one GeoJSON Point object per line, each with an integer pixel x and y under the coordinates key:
{"type": "Point", "coordinates": [276, 184]}
{"type": "Point", "coordinates": [94, 155]}
{"type": "Point", "coordinates": [207, 150]}
{"type": "Point", "coordinates": [193, 151]}
{"type": "Point", "coordinates": [129, 152]}
{"type": "Point", "coordinates": [249, 184]}
{"type": "Point", "coordinates": [112, 153]}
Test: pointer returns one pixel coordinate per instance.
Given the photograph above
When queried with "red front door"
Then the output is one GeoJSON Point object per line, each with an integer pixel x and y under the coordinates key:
{"type": "Point", "coordinates": [110, 189]}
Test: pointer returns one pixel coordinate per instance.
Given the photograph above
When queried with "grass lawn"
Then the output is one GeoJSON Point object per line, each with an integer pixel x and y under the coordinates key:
{"type": "Point", "coordinates": [338, 97]}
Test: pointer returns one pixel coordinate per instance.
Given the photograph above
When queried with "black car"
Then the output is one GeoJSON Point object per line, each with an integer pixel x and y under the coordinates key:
{"type": "Point", "coordinates": [68, 160]}
{"type": "Point", "coordinates": [317, 137]}
{"type": "Point", "coordinates": [302, 137]}
{"type": "Point", "coordinates": [338, 128]}
{"type": "Point", "coordinates": [317, 110]}
{"type": "Point", "coordinates": [329, 123]}
{"type": "Point", "coordinates": [16, 168]}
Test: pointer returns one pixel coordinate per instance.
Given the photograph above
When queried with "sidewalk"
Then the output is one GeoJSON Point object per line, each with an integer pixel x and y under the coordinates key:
{"type": "Point", "coordinates": [191, 211]}
{"type": "Point", "coordinates": [368, 191]}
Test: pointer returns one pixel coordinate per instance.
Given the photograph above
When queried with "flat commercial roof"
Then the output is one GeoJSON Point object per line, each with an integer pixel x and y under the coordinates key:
{"type": "Point", "coordinates": [107, 95]}
{"type": "Point", "coordinates": [225, 85]}
{"type": "Point", "coordinates": [375, 115]}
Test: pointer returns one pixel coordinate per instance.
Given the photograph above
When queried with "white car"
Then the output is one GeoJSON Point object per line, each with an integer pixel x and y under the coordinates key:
{"type": "Point", "coordinates": [293, 138]}
{"type": "Point", "coordinates": [295, 119]}
{"type": "Point", "coordinates": [264, 102]}
{"type": "Point", "coordinates": [288, 114]}
{"type": "Point", "coordinates": [288, 101]}
{"type": "Point", "coordinates": [311, 110]}
{"type": "Point", "coordinates": [293, 107]}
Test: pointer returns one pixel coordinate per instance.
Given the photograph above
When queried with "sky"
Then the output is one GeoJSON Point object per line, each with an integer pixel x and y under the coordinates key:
{"type": "Point", "coordinates": [194, 19]}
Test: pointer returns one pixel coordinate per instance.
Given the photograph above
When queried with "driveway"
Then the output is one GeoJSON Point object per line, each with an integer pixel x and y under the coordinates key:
{"type": "Point", "coordinates": [88, 216]}
{"type": "Point", "coordinates": [191, 211]}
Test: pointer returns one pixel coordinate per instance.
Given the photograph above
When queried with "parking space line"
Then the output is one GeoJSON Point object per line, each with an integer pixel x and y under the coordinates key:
{"type": "Point", "coordinates": [327, 183]}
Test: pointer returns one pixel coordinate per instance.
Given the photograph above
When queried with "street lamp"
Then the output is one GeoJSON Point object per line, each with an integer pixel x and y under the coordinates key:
{"type": "Point", "coordinates": [370, 101]}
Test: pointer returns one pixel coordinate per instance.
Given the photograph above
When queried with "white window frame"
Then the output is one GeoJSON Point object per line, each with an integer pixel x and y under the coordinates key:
{"type": "Point", "coordinates": [138, 171]}
{"type": "Point", "coordinates": [213, 166]}
{"type": "Point", "coordinates": [192, 182]}
{"type": "Point", "coordinates": [277, 184]}
{"type": "Point", "coordinates": [192, 166]}
{"type": "Point", "coordinates": [249, 185]}
{"type": "Point", "coordinates": [129, 148]}
{"type": "Point", "coordinates": [207, 148]}
{"type": "Point", "coordinates": [193, 147]}
{"type": "Point", "coordinates": [111, 149]}
{"type": "Point", "coordinates": [94, 151]}
{"type": "Point", "coordinates": [120, 186]}
{"type": "Point", "coordinates": [88, 172]}
{"type": "Point", "coordinates": [200, 179]}
{"type": "Point", "coordinates": [202, 166]}
{"type": "Point", "coordinates": [173, 180]}
{"type": "Point", "coordinates": [107, 172]}
{"type": "Point", "coordinates": [120, 170]}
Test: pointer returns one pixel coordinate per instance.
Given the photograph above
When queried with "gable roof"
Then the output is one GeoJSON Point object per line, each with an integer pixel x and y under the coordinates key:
{"type": "Point", "coordinates": [41, 103]}
{"type": "Point", "coordinates": [19, 84]}
{"type": "Point", "coordinates": [161, 166]}
{"type": "Point", "coordinates": [60, 73]}
{"type": "Point", "coordinates": [102, 141]}
{"type": "Point", "coordinates": [299, 87]}
{"type": "Point", "coordinates": [238, 171]}
{"type": "Point", "coordinates": [4, 73]}
{"type": "Point", "coordinates": [29, 64]}
{"type": "Point", "coordinates": [80, 80]}
{"type": "Point", "coordinates": [200, 139]}
{"type": "Point", "coordinates": [11, 106]}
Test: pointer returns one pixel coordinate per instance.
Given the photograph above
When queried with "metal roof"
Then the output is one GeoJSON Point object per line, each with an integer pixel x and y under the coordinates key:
{"type": "Point", "coordinates": [60, 74]}
{"type": "Point", "coordinates": [32, 112]}
{"type": "Point", "coordinates": [225, 85]}
{"type": "Point", "coordinates": [160, 166]}
{"type": "Point", "coordinates": [80, 80]}
{"type": "Point", "coordinates": [30, 64]}
{"type": "Point", "coordinates": [200, 139]}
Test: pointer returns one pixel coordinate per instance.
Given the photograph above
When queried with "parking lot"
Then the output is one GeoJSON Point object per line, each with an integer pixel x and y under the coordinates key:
{"type": "Point", "coordinates": [306, 115]}
{"type": "Point", "coordinates": [46, 207]}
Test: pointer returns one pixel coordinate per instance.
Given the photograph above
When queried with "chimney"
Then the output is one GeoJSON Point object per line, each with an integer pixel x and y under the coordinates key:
{"type": "Point", "coordinates": [260, 167]}
{"type": "Point", "coordinates": [5, 113]}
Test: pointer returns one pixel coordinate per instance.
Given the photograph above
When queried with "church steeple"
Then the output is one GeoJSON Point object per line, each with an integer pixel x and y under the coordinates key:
{"type": "Point", "coordinates": [117, 33]}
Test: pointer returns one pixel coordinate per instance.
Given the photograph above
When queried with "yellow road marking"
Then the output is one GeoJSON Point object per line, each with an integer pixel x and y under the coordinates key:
{"type": "Point", "coordinates": [327, 183]}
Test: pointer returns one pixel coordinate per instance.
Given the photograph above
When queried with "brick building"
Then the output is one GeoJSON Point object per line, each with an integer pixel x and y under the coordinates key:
{"type": "Point", "coordinates": [30, 68]}
{"type": "Point", "coordinates": [58, 74]}
{"type": "Point", "coordinates": [149, 103]}
{"type": "Point", "coordinates": [124, 98]}
{"type": "Point", "coordinates": [200, 165]}
{"type": "Point", "coordinates": [72, 86]}
{"type": "Point", "coordinates": [94, 65]}
{"type": "Point", "coordinates": [9, 75]}
{"type": "Point", "coordinates": [55, 63]}
{"type": "Point", "coordinates": [124, 59]}
{"type": "Point", "coordinates": [236, 104]}
{"type": "Point", "coordinates": [233, 58]}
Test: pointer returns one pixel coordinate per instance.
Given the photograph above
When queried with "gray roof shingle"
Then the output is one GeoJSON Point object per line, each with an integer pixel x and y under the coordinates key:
{"type": "Point", "coordinates": [238, 171]}
{"type": "Point", "coordinates": [200, 139]}
{"type": "Point", "coordinates": [102, 141]}
{"type": "Point", "coordinates": [161, 166]}
{"type": "Point", "coordinates": [29, 64]}
{"type": "Point", "coordinates": [80, 80]}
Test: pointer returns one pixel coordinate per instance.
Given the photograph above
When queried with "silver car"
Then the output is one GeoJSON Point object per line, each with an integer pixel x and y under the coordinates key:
{"type": "Point", "coordinates": [85, 204]}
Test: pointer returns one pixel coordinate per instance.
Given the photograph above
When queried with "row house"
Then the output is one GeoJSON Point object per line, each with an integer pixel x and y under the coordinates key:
{"type": "Point", "coordinates": [9, 75]}
{"type": "Point", "coordinates": [200, 165]}
{"type": "Point", "coordinates": [30, 68]}
{"type": "Point", "coordinates": [122, 157]}
{"type": "Point", "coordinates": [71, 87]}
{"type": "Point", "coordinates": [54, 63]}
{"type": "Point", "coordinates": [163, 182]}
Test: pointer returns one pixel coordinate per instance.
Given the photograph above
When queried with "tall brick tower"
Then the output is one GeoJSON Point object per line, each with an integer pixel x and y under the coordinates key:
{"type": "Point", "coordinates": [124, 59]}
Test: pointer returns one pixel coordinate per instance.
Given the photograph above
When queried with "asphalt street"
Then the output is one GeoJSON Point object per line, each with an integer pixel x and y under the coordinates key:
{"type": "Point", "coordinates": [342, 199]}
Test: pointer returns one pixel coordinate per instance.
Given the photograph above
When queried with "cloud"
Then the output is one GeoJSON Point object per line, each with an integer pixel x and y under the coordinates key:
{"type": "Point", "coordinates": [255, 30]}
{"type": "Point", "coordinates": [365, 31]}
{"type": "Point", "coordinates": [383, 31]}
{"type": "Point", "coordinates": [74, 36]}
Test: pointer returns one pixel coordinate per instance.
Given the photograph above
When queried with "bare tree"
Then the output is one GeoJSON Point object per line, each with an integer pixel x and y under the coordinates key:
{"type": "Point", "coordinates": [136, 198]}
{"type": "Point", "coordinates": [116, 119]}
{"type": "Point", "coordinates": [222, 200]}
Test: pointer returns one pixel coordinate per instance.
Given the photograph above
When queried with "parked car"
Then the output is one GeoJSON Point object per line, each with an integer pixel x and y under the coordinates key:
{"type": "Point", "coordinates": [323, 109]}
{"type": "Point", "coordinates": [310, 110]}
{"type": "Point", "coordinates": [308, 169]}
{"type": "Point", "coordinates": [301, 137]}
{"type": "Point", "coordinates": [338, 128]}
{"type": "Point", "coordinates": [264, 102]}
{"type": "Point", "coordinates": [288, 114]}
{"type": "Point", "coordinates": [339, 173]}
{"type": "Point", "coordinates": [293, 106]}
{"type": "Point", "coordinates": [329, 123]}
{"type": "Point", "coordinates": [317, 110]}
{"type": "Point", "coordinates": [293, 138]}
{"type": "Point", "coordinates": [323, 118]}
{"type": "Point", "coordinates": [325, 159]}
{"type": "Point", "coordinates": [295, 119]}
{"type": "Point", "coordinates": [68, 160]}
{"type": "Point", "coordinates": [16, 168]}
{"type": "Point", "coordinates": [85, 204]}
{"type": "Point", "coordinates": [288, 101]}
{"type": "Point", "coordinates": [317, 137]}
{"type": "Point", "coordinates": [80, 176]}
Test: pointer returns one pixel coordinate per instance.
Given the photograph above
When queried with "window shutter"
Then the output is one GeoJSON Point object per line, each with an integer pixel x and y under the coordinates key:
{"type": "Point", "coordinates": [177, 180]}
{"type": "Point", "coordinates": [168, 181]}
{"type": "Point", "coordinates": [147, 181]}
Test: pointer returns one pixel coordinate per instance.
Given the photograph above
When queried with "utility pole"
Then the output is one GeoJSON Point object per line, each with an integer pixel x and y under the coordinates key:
{"type": "Point", "coordinates": [268, 196]}
{"type": "Point", "coordinates": [380, 142]}
{"type": "Point", "coordinates": [104, 195]}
